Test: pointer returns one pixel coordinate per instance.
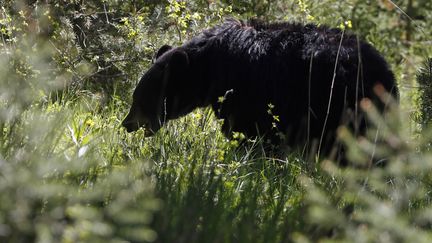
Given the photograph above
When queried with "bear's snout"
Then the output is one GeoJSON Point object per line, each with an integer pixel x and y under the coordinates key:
{"type": "Point", "coordinates": [132, 126]}
{"type": "Point", "coordinates": [135, 120]}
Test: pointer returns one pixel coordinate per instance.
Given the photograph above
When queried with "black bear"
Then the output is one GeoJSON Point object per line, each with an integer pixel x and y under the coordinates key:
{"type": "Point", "coordinates": [302, 81]}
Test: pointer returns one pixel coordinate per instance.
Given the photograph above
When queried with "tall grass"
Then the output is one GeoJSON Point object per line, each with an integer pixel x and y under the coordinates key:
{"type": "Point", "coordinates": [64, 175]}
{"type": "Point", "coordinates": [71, 173]}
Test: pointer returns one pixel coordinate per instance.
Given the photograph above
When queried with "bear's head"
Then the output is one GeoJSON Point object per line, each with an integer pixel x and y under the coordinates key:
{"type": "Point", "coordinates": [163, 93]}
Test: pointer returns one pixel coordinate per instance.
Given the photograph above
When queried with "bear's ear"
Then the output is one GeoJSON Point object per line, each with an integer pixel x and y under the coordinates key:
{"type": "Point", "coordinates": [179, 60]}
{"type": "Point", "coordinates": [162, 50]}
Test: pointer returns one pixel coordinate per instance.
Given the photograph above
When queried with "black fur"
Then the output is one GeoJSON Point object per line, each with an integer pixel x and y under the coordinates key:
{"type": "Point", "coordinates": [252, 65]}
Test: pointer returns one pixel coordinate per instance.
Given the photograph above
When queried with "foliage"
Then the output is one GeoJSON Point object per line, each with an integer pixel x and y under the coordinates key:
{"type": "Point", "coordinates": [381, 204]}
{"type": "Point", "coordinates": [424, 78]}
{"type": "Point", "coordinates": [56, 183]}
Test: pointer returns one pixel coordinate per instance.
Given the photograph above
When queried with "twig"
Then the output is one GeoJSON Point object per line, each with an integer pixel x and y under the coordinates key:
{"type": "Point", "coordinates": [331, 94]}
{"type": "Point", "coordinates": [106, 14]}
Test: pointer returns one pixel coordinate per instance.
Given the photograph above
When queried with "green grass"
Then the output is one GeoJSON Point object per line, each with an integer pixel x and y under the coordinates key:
{"type": "Point", "coordinates": [73, 174]}
{"type": "Point", "coordinates": [70, 173]}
